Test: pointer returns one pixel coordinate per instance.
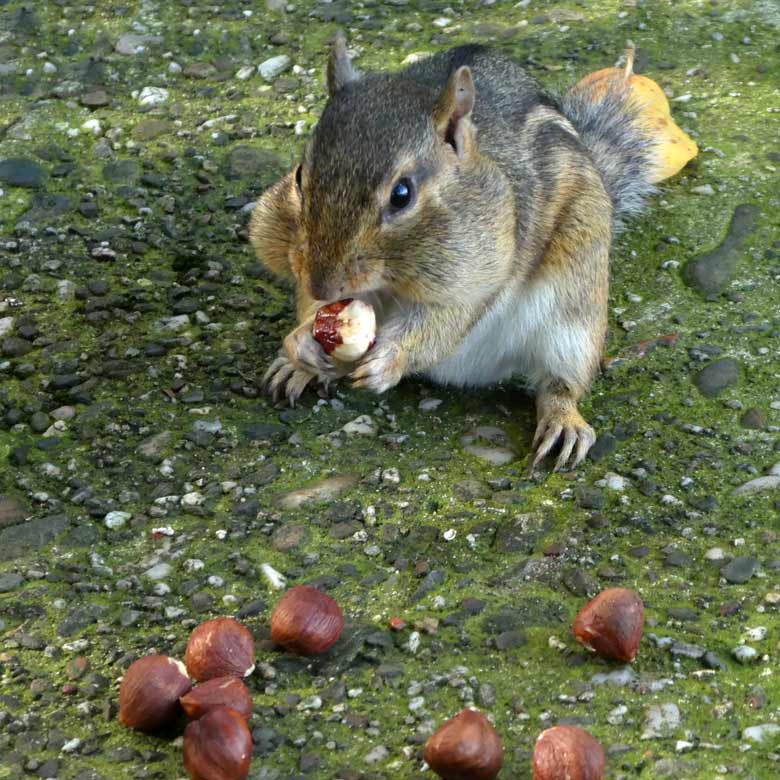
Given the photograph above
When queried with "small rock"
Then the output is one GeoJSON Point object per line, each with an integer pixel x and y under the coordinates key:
{"type": "Point", "coordinates": [377, 755]}
{"type": "Point", "coordinates": [116, 519]}
{"type": "Point", "coordinates": [131, 44]}
{"type": "Point", "coordinates": [758, 485]}
{"type": "Point", "coordinates": [325, 491]}
{"type": "Point", "coordinates": [361, 426]}
{"type": "Point", "coordinates": [476, 443]}
{"type": "Point", "coordinates": [10, 581]}
{"type": "Point", "coordinates": [274, 67]}
{"type": "Point", "coordinates": [661, 721]}
{"type": "Point", "coordinates": [745, 654]}
{"type": "Point", "coordinates": [717, 377]}
{"type": "Point", "coordinates": [19, 172]}
{"type": "Point", "coordinates": [761, 733]}
{"type": "Point", "coordinates": [740, 569]}
{"type": "Point", "coordinates": [153, 96]}
{"type": "Point", "coordinates": [754, 419]}
{"type": "Point", "coordinates": [159, 571]}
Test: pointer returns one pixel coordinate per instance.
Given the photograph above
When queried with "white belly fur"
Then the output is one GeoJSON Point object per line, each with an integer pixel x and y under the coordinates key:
{"type": "Point", "coordinates": [520, 334]}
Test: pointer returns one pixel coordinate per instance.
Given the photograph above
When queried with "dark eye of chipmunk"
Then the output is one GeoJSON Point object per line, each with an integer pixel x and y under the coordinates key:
{"type": "Point", "coordinates": [402, 194]}
{"type": "Point", "coordinates": [298, 179]}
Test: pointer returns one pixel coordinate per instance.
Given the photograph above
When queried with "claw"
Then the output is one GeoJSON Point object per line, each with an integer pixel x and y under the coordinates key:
{"type": "Point", "coordinates": [272, 370]}
{"type": "Point", "coordinates": [277, 385]}
{"type": "Point", "coordinates": [296, 384]}
{"type": "Point", "coordinates": [548, 442]}
{"type": "Point", "coordinates": [569, 440]}
{"type": "Point", "coordinates": [578, 437]}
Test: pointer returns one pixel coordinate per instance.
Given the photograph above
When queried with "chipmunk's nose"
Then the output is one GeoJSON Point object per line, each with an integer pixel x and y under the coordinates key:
{"type": "Point", "coordinates": [324, 288]}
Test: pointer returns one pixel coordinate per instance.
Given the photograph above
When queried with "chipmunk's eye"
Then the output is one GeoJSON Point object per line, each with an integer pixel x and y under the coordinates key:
{"type": "Point", "coordinates": [402, 194]}
{"type": "Point", "coordinates": [299, 179]}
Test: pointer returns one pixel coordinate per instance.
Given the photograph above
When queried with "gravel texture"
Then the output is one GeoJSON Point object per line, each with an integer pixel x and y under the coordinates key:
{"type": "Point", "coordinates": [147, 485]}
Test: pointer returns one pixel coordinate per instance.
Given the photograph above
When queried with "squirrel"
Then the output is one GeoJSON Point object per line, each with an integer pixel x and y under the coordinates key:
{"type": "Point", "coordinates": [475, 211]}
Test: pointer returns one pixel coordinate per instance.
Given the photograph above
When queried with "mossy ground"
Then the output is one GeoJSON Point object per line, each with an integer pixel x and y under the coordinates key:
{"type": "Point", "coordinates": [724, 55]}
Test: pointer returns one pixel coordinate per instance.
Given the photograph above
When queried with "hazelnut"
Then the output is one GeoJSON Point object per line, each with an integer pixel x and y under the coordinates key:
{"type": "Point", "coordinates": [221, 647]}
{"type": "Point", "coordinates": [218, 746]}
{"type": "Point", "coordinates": [306, 621]}
{"type": "Point", "coordinates": [150, 691]}
{"type": "Point", "coordinates": [568, 753]}
{"type": "Point", "coordinates": [612, 624]}
{"type": "Point", "coordinates": [466, 747]}
{"type": "Point", "coordinates": [346, 329]}
{"type": "Point", "coordinates": [218, 692]}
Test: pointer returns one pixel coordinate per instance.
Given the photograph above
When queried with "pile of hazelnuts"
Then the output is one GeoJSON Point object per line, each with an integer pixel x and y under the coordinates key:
{"type": "Point", "coordinates": [220, 652]}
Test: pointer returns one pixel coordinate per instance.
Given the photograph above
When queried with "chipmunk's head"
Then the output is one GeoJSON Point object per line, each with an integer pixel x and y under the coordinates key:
{"type": "Point", "coordinates": [380, 192]}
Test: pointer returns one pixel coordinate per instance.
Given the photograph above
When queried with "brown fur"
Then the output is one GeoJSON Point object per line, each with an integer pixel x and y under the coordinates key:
{"type": "Point", "coordinates": [507, 198]}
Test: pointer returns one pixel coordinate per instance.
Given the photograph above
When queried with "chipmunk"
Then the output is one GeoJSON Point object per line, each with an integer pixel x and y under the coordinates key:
{"type": "Point", "coordinates": [476, 213]}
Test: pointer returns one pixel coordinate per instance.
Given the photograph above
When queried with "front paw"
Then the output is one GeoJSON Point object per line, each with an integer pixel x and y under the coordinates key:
{"type": "Point", "coordinates": [284, 380]}
{"type": "Point", "coordinates": [568, 424]}
{"type": "Point", "coordinates": [307, 354]}
{"type": "Point", "coordinates": [382, 368]}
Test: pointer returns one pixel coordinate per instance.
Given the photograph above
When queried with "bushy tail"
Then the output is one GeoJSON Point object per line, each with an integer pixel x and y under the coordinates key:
{"type": "Point", "coordinates": [609, 127]}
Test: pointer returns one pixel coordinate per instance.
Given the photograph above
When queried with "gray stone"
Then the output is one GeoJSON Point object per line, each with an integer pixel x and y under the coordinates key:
{"type": "Point", "coordinates": [682, 649]}
{"type": "Point", "coordinates": [152, 448]}
{"type": "Point", "coordinates": [717, 377]}
{"type": "Point", "coordinates": [761, 733]}
{"type": "Point", "coordinates": [131, 44]}
{"type": "Point", "coordinates": [322, 492]}
{"type": "Point", "coordinates": [740, 569]}
{"type": "Point", "coordinates": [480, 443]}
{"type": "Point", "coordinates": [274, 67]}
{"type": "Point", "coordinates": [710, 273]}
{"type": "Point", "coordinates": [32, 535]}
{"type": "Point", "coordinates": [10, 581]}
{"type": "Point", "coordinates": [247, 162]}
{"type": "Point", "coordinates": [12, 511]}
{"type": "Point", "coordinates": [758, 485]}
{"type": "Point", "coordinates": [288, 537]}
{"type": "Point", "coordinates": [661, 721]}
{"type": "Point", "coordinates": [754, 419]}
{"type": "Point", "coordinates": [18, 172]}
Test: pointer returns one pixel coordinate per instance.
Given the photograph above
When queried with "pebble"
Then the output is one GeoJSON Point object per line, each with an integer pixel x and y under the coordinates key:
{"type": "Point", "coordinates": [758, 485]}
{"type": "Point", "coordinates": [159, 571]}
{"type": "Point", "coordinates": [153, 96]}
{"type": "Point", "coordinates": [479, 441]}
{"type": "Point", "coordinates": [272, 68]}
{"type": "Point", "coordinates": [761, 733]}
{"type": "Point", "coordinates": [661, 721]}
{"type": "Point", "coordinates": [116, 519]}
{"type": "Point", "coordinates": [361, 426]}
{"type": "Point", "coordinates": [740, 569]}
{"type": "Point", "coordinates": [326, 490]}
{"type": "Point", "coordinates": [745, 654]}
{"type": "Point", "coordinates": [20, 172]}
{"type": "Point", "coordinates": [131, 44]}
{"type": "Point", "coordinates": [717, 377]}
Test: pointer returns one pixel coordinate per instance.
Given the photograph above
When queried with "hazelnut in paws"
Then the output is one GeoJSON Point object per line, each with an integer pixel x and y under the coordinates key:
{"type": "Point", "coordinates": [346, 329]}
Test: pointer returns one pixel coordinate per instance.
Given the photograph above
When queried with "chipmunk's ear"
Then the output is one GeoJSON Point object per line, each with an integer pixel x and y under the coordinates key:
{"type": "Point", "coordinates": [339, 71]}
{"type": "Point", "coordinates": [453, 109]}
